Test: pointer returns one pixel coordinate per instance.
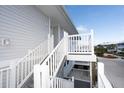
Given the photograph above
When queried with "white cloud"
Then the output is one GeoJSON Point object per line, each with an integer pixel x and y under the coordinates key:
{"type": "Point", "coordinates": [82, 29]}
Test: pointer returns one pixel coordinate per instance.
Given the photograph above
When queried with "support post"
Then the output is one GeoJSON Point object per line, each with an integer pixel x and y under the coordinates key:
{"type": "Point", "coordinates": [37, 83]}
{"type": "Point", "coordinates": [73, 81]}
{"type": "Point", "coordinates": [66, 42]}
{"type": "Point", "coordinates": [91, 74]}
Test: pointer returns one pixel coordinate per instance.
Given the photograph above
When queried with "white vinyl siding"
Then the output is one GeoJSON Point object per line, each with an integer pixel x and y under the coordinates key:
{"type": "Point", "coordinates": [25, 27]}
{"type": "Point", "coordinates": [61, 33]}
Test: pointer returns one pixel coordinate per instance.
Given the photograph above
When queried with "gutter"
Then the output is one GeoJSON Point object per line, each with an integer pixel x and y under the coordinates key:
{"type": "Point", "coordinates": [65, 14]}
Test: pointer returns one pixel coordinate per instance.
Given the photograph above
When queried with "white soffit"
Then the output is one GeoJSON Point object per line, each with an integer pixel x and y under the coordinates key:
{"type": "Point", "coordinates": [58, 15]}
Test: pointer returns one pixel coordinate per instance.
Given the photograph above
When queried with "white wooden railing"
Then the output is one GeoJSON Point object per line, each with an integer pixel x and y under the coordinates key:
{"type": "Point", "coordinates": [45, 73]}
{"type": "Point", "coordinates": [81, 44]}
{"type": "Point", "coordinates": [16, 74]}
{"type": "Point", "coordinates": [5, 77]}
{"type": "Point", "coordinates": [61, 83]}
{"type": "Point", "coordinates": [103, 82]}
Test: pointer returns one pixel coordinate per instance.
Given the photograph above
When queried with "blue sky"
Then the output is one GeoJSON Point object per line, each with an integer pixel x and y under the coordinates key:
{"type": "Point", "coordinates": [107, 21]}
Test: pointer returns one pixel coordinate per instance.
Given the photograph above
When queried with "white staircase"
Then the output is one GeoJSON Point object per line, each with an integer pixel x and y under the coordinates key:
{"type": "Point", "coordinates": [45, 73]}
{"type": "Point", "coordinates": [44, 66]}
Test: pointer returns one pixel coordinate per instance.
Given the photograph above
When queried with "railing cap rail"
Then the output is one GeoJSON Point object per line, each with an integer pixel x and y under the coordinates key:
{"type": "Point", "coordinates": [84, 34]}
{"type": "Point", "coordinates": [53, 51]}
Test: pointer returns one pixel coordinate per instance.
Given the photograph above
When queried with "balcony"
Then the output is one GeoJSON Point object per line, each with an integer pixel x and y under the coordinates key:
{"type": "Point", "coordinates": [81, 47]}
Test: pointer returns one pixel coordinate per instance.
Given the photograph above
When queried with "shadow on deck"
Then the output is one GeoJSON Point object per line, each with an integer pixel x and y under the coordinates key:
{"type": "Point", "coordinates": [81, 84]}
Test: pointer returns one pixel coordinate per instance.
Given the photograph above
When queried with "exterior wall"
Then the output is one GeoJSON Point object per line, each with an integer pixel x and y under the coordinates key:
{"type": "Point", "coordinates": [58, 33]}
{"type": "Point", "coordinates": [24, 27]}
{"type": "Point", "coordinates": [61, 33]}
{"type": "Point", "coordinates": [55, 33]}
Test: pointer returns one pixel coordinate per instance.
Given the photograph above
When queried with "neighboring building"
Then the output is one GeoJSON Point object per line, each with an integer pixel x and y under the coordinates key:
{"type": "Point", "coordinates": [110, 48]}
{"type": "Point", "coordinates": [114, 48]}
{"type": "Point", "coordinates": [40, 47]}
{"type": "Point", "coordinates": [120, 48]}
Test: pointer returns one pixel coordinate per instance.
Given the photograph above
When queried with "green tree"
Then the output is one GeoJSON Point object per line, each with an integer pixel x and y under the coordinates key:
{"type": "Point", "coordinates": [100, 50]}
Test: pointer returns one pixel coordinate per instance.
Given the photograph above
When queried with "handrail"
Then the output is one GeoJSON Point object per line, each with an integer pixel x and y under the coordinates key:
{"type": "Point", "coordinates": [84, 34]}
{"type": "Point", "coordinates": [55, 57]}
{"type": "Point", "coordinates": [24, 67]}
{"type": "Point", "coordinates": [50, 66]}
{"type": "Point", "coordinates": [33, 50]}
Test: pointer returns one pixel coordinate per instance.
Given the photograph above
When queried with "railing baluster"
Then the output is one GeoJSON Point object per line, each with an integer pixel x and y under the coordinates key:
{"type": "Point", "coordinates": [1, 77]}
{"type": "Point", "coordinates": [28, 60]}
{"type": "Point", "coordinates": [50, 67]}
{"type": "Point", "coordinates": [57, 83]}
{"type": "Point", "coordinates": [17, 75]}
{"type": "Point", "coordinates": [86, 43]}
{"type": "Point", "coordinates": [25, 68]}
{"type": "Point", "coordinates": [7, 78]}
{"type": "Point", "coordinates": [70, 44]}
{"type": "Point", "coordinates": [28, 63]}
{"type": "Point", "coordinates": [31, 61]}
{"type": "Point", "coordinates": [52, 64]}
{"type": "Point", "coordinates": [22, 71]}
{"type": "Point", "coordinates": [76, 43]}
{"type": "Point", "coordinates": [54, 61]}
{"type": "Point", "coordinates": [81, 43]}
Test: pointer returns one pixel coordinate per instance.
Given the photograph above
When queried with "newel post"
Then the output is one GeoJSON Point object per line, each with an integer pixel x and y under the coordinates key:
{"type": "Point", "coordinates": [49, 35]}
{"type": "Point", "coordinates": [37, 83]}
{"type": "Point", "coordinates": [92, 41]}
{"type": "Point", "coordinates": [41, 76]}
{"type": "Point", "coordinates": [13, 75]}
{"type": "Point", "coordinates": [73, 81]}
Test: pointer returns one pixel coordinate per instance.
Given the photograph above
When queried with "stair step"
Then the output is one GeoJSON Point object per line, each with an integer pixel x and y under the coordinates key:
{"type": "Point", "coordinates": [29, 83]}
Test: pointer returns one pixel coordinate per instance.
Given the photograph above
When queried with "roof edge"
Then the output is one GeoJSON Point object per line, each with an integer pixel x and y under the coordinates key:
{"type": "Point", "coordinates": [65, 14]}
